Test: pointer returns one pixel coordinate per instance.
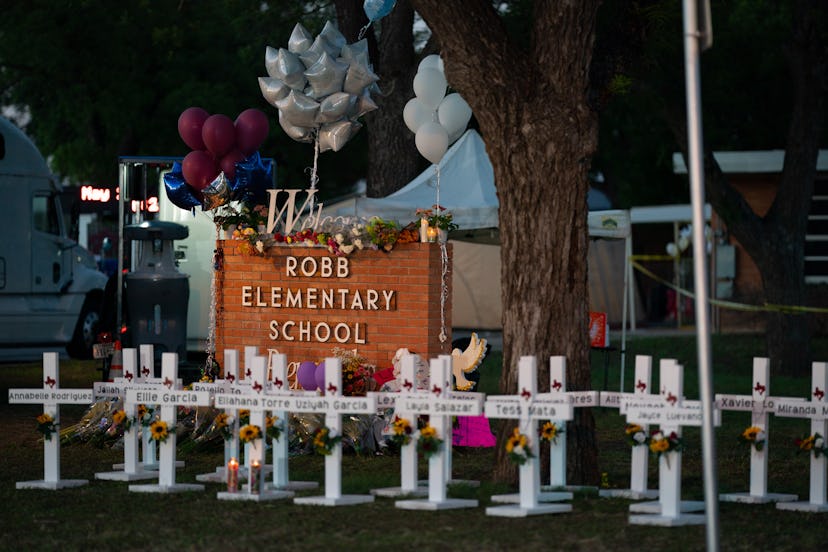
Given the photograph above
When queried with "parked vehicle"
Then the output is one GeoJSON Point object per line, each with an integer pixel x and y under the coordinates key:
{"type": "Point", "coordinates": [50, 288]}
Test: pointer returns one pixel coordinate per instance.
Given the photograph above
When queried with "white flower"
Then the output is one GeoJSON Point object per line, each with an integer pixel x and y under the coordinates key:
{"type": "Point", "coordinates": [819, 442]}
{"type": "Point", "coordinates": [356, 231]}
{"type": "Point", "coordinates": [358, 243]}
{"type": "Point", "coordinates": [347, 249]}
{"type": "Point", "coordinates": [760, 436]}
{"type": "Point", "coordinates": [519, 451]}
{"type": "Point", "coordinates": [639, 437]}
{"type": "Point", "coordinates": [260, 246]}
{"type": "Point", "coordinates": [657, 436]}
{"type": "Point", "coordinates": [310, 243]}
{"type": "Point", "coordinates": [339, 238]}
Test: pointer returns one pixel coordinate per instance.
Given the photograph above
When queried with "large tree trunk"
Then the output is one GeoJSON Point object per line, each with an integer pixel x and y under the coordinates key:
{"type": "Point", "coordinates": [393, 159]}
{"type": "Point", "coordinates": [539, 134]}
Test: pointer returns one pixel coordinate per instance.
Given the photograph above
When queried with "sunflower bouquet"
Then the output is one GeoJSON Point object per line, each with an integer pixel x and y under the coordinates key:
{"type": "Point", "coordinates": [660, 443]}
{"type": "Point", "coordinates": [813, 443]}
{"type": "Point", "coordinates": [635, 435]}
{"type": "Point", "coordinates": [549, 432]}
{"type": "Point", "coordinates": [324, 442]}
{"type": "Point", "coordinates": [428, 442]}
{"type": "Point", "coordinates": [120, 420]}
{"type": "Point", "coordinates": [753, 436]}
{"type": "Point", "coordinates": [273, 427]}
{"type": "Point", "coordinates": [517, 447]}
{"type": "Point", "coordinates": [46, 425]}
{"type": "Point", "coordinates": [250, 433]}
{"type": "Point", "coordinates": [221, 423]}
{"type": "Point", "coordinates": [402, 431]}
{"type": "Point", "coordinates": [144, 415]}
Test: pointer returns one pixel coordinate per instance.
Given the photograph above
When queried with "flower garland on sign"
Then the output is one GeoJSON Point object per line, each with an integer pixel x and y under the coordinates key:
{"type": "Point", "coordinates": [813, 443]}
{"type": "Point", "coordinates": [402, 431]}
{"type": "Point", "coordinates": [159, 431]}
{"type": "Point", "coordinates": [250, 433]}
{"type": "Point", "coordinates": [428, 443]}
{"type": "Point", "coordinates": [517, 447]}
{"type": "Point", "coordinates": [753, 436]}
{"type": "Point", "coordinates": [635, 435]}
{"type": "Point", "coordinates": [549, 432]}
{"type": "Point", "coordinates": [324, 442]}
{"type": "Point", "coordinates": [46, 425]}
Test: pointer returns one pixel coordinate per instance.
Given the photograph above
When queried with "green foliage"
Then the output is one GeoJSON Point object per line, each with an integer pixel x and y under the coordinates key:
{"type": "Point", "coordinates": [102, 79]}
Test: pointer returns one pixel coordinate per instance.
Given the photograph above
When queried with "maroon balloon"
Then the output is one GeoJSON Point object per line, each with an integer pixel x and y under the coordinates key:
{"type": "Point", "coordinates": [190, 123]}
{"type": "Point", "coordinates": [228, 163]}
{"type": "Point", "coordinates": [199, 169]}
{"type": "Point", "coordinates": [251, 130]}
{"type": "Point", "coordinates": [219, 134]}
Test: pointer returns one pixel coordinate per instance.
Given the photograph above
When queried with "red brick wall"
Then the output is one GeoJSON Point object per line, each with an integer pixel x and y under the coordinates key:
{"type": "Point", "coordinates": [411, 271]}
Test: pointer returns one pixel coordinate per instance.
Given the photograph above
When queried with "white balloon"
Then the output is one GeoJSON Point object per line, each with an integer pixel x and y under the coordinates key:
{"type": "Point", "coordinates": [285, 66]}
{"type": "Point", "coordinates": [326, 76]}
{"type": "Point", "coordinates": [430, 87]}
{"type": "Point", "coordinates": [454, 114]}
{"type": "Point", "coordinates": [431, 62]}
{"type": "Point", "coordinates": [415, 114]}
{"type": "Point", "coordinates": [672, 250]}
{"type": "Point", "coordinates": [300, 39]}
{"type": "Point", "coordinates": [273, 89]}
{"type": "Point", "coordinates": [432, 141]}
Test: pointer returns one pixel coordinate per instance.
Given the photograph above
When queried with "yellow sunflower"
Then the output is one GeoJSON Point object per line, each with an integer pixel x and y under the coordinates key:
{"type": "Point", "coordinates": [44, 419]}
{"type": "Point", "coordinates": [660, 445]}
{"type": "Point", "coordinates": [221, 420]}
{"type": "Point", "coordinates": [249, 433]}
{"type": "Point", "coordinates": [159, 431]}
{"type": "Point", "coordinates": [118, 417]}
{"type": "Point", "coordinates": [549, 432]}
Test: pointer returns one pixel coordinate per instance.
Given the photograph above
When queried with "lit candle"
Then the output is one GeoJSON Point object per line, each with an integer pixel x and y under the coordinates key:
{"type": "Point", "coordinates": [432, 234]}
{"type": "Point", "coordinates": [255, 478]}
{"type": "Point", "coordinates": [423, 230]}
{"type": "Point", "coordinates": [232, 476]}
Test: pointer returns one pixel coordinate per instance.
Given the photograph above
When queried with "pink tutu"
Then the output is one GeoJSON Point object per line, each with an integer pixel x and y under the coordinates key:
{"type": "Point", "coordinates": [472, 431]}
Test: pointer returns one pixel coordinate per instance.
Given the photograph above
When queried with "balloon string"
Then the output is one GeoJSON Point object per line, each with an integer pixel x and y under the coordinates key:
{"type": "Point", "coordinates": [443, 291]}
{"type": "Point", "coordinates": [363, 30]}
{"type": "Point", "coordinates": [314, 179]}
{"type": "Point", "coordinates": [438, 186]}
{"type": "Point", "coordinates": [211, 332]}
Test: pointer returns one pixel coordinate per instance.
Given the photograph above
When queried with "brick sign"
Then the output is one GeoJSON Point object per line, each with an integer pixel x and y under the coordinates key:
{"type": "Point", "coordinates": [303, 302]}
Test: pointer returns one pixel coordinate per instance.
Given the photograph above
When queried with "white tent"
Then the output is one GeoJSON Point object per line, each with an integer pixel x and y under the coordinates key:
{"type": "Point", "coordinates": [467, 189]}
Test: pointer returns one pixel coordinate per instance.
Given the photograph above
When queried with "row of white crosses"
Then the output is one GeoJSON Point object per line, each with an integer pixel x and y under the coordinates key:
{"type": "Point", "coordinates": [666, 408]}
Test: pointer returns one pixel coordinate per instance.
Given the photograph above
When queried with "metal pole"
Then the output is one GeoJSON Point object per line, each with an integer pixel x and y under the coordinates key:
{"type": "Point", "coordinates": [122, 185]}
{"type": "Point", "coordinates": [696, 172]}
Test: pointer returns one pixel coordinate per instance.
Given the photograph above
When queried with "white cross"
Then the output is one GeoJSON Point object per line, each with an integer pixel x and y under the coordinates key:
{"type": "Point", "coordinates": [440, 404]}
{"type": "Point", "coordinates": [169, 400]}
{"type": "Point", "coordinates": [528, 406]}
{"type": "Point", "coordinates": [640, 453]}
{"type": "Point", "coordinates": [409, 483]}
{"type": "Point", "coordinates": [760, 404]}
{"type": "Point", "coordinates": [817, 411]}
{"type": "Point", "coordinates": [333, 405]}
{"type": "Point", "coordinates": [51, 396]}
{"type": "Point", "coordinates": [229, 384]}
{"type": "Point", "coordinates": [671, 414]}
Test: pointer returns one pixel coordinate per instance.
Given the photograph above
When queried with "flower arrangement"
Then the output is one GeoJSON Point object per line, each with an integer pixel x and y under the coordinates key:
{"type": "Point", "coordinates": [428, 442]}
{"type": "Point", "coordinates": [660, 443]}
{"type": "Point", "coordinates": [549, 432]}
{"type": "Point", "coordinates": [239, 214]}
{"type": "Point", "coordinates": [357, 377]}
{"type": "Point", "coordinates": [753, 436]}
{"type": "Point", "coordinates": [46, 425]}
{"type": "Point", "coordinates": [159, 431]}
{"type": "Point", "coordinates": [221, 423]}
{"type": "Point", "coordinates": [635, 435]}
{"type": "Point", "coordinates": [383, 233]}
{"type": "Point", "coordinates": [273, 428]}
{"type": "Point", "coordinates": [324, 442]}
{"type": "Point", "coordinates": [249, 433]}
{"type": "Point", "coordinates": [438, 217]}
{"type": "Point", "coordinates": [244, 416]}
{"type": "Point", "coordinates": [402, 431]}
{"type": "Point", "coordinates": [144, 415]}
{"type": "Point", "coordinates": [813, 443]}
{"type": "Point", "coordinates": [252, 243]}
{"type": "Point", "coordinates": [517, 447]}
{"type": "Point", "coordinates": [119, 419]}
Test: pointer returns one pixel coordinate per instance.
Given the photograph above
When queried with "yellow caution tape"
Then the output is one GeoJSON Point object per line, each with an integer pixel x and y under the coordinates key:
{"type": "Point", "coordinates": [767, 307]}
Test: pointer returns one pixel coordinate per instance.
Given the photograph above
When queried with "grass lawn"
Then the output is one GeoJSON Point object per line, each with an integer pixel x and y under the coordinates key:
{"type": "Point", "coordinates": [104, 515]}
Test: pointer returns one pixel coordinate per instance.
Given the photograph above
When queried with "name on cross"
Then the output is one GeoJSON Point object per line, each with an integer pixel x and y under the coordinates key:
{"type": "Point", "coordinates": [575, 398]}
{"type": "Point", "coordinates": [435, 405]}
{"type": "Point", "coordinates": [545, 410]}
{"type": "Point", "coordinates": [217, 388]}
{"type": "Point", "coordinates": [742, 402]}
{"type": "Point", "coordinates": [678, 415]}
{"type": "Point", "coordinates": [345, 405]}
{"type": "Point", "coordinates": [817, 411]}
{"type": "Point", "coordinates": [168, 398]}
{"type": "Point", "coordinates": [108, 390]}
{"type": "Point", "coordinates": [37, 396]}
{"type": "Point", "coordinates": [254, 402]}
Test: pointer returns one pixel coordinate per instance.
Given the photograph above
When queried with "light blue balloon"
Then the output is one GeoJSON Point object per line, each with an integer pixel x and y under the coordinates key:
{"type": "Point", "coordinates": [377, 9]}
